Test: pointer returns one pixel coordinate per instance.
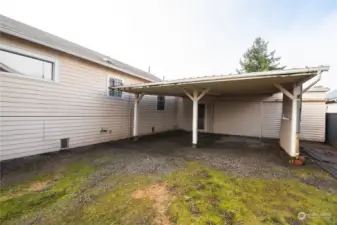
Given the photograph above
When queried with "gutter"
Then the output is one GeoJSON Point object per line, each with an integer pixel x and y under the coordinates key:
{"type": "Point", "coordinates": [244, 76]}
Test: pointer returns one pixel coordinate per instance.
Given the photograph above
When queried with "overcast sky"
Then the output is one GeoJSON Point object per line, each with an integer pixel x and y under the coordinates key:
{"type": "Point", "coordinates": [188, 38]}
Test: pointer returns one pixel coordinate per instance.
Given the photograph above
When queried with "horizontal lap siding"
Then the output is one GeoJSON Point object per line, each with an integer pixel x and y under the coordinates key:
{"type": "Point", "coordinates": [237, 118]}
{"type": "Point", "coordinates": [271, 114]}
{"type": "Point", "coordinates": [185, 114]}
{"type": "Point", "coordinates": [258, 118]}
{"type": "Point", "coordinates": [313, 121]}
{"type": "Point", "coordinates": [35, 114]}
{"type": "Point", "coordinates": [160, 120]}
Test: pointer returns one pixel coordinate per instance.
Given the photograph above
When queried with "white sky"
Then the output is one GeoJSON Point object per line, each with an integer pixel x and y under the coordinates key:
{"type": "Point", "coordinates": [187, 38]}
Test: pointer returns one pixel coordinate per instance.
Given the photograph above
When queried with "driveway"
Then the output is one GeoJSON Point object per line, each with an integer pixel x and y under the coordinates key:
{"type": "Point", "coordinates": [161, 179]}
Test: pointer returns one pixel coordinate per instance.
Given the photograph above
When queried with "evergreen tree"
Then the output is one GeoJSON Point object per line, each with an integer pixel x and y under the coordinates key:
{"type": "Point", "coordinates": [257, 58]}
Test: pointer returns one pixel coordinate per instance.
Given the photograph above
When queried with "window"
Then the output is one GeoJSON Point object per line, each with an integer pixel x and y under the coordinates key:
{"type": "Point", "coordinates": [115, 82]}
{"type": "Point", "coordinates": [26, 65]}
{"type": "Point", "coordinates": [160, 102]}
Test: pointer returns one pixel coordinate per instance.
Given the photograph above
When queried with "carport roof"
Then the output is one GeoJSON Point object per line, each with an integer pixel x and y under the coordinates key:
{"type": "Point", "coordinates": [256, 83]}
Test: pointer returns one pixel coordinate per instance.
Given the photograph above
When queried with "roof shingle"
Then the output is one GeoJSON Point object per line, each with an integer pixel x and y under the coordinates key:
{"type": "Point", "coordinates": [24, 31]}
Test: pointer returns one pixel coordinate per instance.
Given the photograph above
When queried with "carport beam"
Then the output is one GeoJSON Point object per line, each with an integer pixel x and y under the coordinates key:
{"type": "Point", "coordinates": [138, 97]}
{"type": "Point", "coordinates": [284, 91]}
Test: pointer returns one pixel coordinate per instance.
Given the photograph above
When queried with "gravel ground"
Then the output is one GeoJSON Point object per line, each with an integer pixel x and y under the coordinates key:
{"type": "Point", "coordinates": [155, 155]}
{"type": "Point", "coordinates": [161, 154]}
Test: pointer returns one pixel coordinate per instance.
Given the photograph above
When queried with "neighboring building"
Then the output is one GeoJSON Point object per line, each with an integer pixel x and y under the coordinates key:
{"type": "Point", "coordinates": [54, 94]}
{"type": "Point", "coordinates": [332, 102]}
{"type": "Point", "coordinates": [258, 116]}
{"type": "Point", "coordinates": [331, 118]}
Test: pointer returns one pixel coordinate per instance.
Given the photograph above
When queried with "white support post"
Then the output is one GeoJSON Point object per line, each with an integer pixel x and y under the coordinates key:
{"type": "Point", "coordinates": [295, 121]}
{"type": "Point", "coordinates": [195, 97]}
{"type": "Point", "coordinates": [195, 119]}
{"type": "Point", "coordinates": [138, 97]}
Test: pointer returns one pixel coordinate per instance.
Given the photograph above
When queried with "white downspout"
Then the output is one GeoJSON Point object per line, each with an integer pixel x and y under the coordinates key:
{"type": "Point", "coordinates": [319, 73]}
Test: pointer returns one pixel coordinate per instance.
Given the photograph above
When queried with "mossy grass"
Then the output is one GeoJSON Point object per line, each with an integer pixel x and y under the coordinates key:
{"type": "Point", "coordinates": [206, 196]}
{"type": "Point", "coordinates": [86, 192]}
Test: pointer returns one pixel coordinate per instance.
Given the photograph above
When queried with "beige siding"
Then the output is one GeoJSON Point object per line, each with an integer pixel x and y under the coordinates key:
{"type": "Point", "coordinates": [160, 120]}
{"type": "Point", "coordinates": [271, 119]}
{"type": "Point", "coordinates": [209, 117]}
{"type": "Point", "coordinates": [36, 114]}
{"type": "Point", "coordinates": [185, 114]}
{"type": "Point", "coordinates": [237, 118]}
{"type": "Point", "coordinates": [257, 116]}
{"type": "Point", "coordinates": [313, 121]}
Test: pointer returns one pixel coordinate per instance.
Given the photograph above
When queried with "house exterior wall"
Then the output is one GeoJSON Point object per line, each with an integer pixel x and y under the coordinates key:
{"type": "Point", "coordinates": [331, 107]}
{"type": "Point", "coordinates": [237, 117]}
{"type": "Point", "coordinates": [36, 114]}
{"type": "Point", "coordinates": [258, 116]}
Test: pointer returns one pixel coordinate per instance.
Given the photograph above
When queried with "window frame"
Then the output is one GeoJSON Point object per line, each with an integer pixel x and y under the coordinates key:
{"type": "Point", "coordinates": [29, 54]}
{"type": "Point", "coordinates": [159, 101]}
{"type": "Point", "coordinates": [108, 83]}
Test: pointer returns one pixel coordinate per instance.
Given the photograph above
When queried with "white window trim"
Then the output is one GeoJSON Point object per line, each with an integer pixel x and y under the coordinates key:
{"type": "Point", "coordinates": [107, 86]}
{"type": "Point", "coordinates": [56, 75]}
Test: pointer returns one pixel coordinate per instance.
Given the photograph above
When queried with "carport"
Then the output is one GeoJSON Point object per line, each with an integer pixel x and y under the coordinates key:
{"type": "Point", "coordinates": [289, 82]}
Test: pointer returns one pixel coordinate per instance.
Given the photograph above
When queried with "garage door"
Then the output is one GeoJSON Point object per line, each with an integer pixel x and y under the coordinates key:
{"type": "Point", "coordinates": [237, 118]}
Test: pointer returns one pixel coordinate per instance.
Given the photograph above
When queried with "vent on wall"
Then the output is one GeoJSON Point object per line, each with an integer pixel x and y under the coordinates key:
{"type": "Point", "coordinates": [64, 143]}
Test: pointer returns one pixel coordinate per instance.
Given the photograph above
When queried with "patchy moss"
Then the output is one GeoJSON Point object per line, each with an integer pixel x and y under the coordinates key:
{"type": "Point", "coordinates": [205, 196]}
{"type": "Point", "coordinates": [117, 206]}
{"type": "Point", "coordinates": [88, 193]}
{"type": "Point", "coordinates": [309, 171]}
{"type": "Point", "coordinates": [22, 201]}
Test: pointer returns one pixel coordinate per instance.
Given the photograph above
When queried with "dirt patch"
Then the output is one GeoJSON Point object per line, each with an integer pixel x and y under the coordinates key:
{"type": "Point", "coordinates": [158, 193]}
{"type": "Point", "coordinates": [38, 186]}
{"type": "Point", "coordinates": [34, 187]}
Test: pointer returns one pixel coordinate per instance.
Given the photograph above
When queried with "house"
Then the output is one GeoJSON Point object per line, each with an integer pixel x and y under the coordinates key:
{"type": "Point", "coordinates": [331, 118]}
{"type": "Point", "coordinates": [54, 95]}
{"type": "Point", "coordinates": [57, 95]}
{"type": "Point", "coordinates": [332, 102]}
{"type": "Point", "coordinates": [243, 104]}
